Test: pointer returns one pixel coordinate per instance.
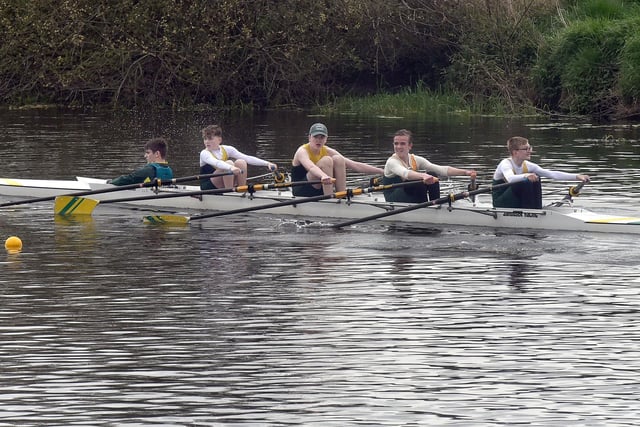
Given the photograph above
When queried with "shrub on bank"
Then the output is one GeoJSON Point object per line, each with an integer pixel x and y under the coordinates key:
{"type": "Point", "coordinates": [479, 55]}
{"type": "Point", "coordinates": [629, 79]}
{"type": "Point", "coordinates": [590, 66]}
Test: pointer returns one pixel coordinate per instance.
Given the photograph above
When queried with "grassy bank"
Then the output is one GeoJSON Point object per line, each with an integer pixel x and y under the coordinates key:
{"type": "Point", "coordinates": [420, 101]}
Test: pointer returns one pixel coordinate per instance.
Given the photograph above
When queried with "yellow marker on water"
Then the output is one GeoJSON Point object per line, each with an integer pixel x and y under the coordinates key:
{"type": "Point", "coordinates": [13, 244]}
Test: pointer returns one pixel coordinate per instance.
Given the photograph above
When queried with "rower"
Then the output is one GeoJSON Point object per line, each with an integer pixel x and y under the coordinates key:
{"type": "Point", "coordinates": [155, 152]}
{"type": "Point", "coordinates": [317, 161]}
{"type": "Point", "coordinates": [216, 157]}
{"type": "Point", "coordinates": [527, 193]}
{"type": "Point", "coordinates": [405, 166]}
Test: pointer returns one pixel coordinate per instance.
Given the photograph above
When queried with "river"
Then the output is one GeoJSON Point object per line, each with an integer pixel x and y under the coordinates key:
{"type": "Point", "coordinates": [257, 321]}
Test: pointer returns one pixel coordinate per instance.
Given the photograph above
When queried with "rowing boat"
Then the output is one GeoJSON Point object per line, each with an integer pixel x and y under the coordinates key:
{"type": "Point", "coordinates": [560, 215]}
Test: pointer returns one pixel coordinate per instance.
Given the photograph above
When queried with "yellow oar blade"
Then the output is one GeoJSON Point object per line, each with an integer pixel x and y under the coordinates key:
{"type": "Point", "coordinates": [70, 205]}
{"type": "Point", "coordinates": [166, 219]}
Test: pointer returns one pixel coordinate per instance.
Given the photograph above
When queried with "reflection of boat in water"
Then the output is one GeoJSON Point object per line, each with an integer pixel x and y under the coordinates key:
{"type": "Point", "coordinates": [356, 205]}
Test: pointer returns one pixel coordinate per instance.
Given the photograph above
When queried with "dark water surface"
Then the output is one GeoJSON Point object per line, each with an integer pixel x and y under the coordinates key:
{"type": "Point", "coordinates": [257, 320]}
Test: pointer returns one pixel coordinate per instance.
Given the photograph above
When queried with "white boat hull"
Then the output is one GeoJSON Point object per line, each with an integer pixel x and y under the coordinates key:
{"type": "Point", "coordinates": [459, 213]}
{"type": "Point", "coordinates": [39, 188]}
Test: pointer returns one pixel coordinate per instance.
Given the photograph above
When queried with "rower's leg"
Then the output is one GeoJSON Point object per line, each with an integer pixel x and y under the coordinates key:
{"type": "Point", "coordinates": [339, 173]}
{"type": "Point", "coordinates": [242, 178]}
{"type": "Point", "coordinates": [326, 164]}
{"type": "Point", "coordinates": [229, 180]}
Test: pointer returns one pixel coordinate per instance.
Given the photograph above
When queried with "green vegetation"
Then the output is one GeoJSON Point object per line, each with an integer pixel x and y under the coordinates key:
{"type": "Point", "coordinates": [420, 100]}
{"type": "Point", "coordinates": [387, 57]}
{"type": "Point", "coordinates": [589, 67]}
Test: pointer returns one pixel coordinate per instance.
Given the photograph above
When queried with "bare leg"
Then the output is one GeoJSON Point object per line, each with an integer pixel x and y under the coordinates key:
{"type": "Point", "coordinates": [229, 180]}
{"type": "Point", "coordinates": [340, 173]}
{"type": "Point", "coordinates": [242, 178]}
{"type": "Point", "coordinates": [326, 164]}
{"type": "Point", "coordinates": [218, 181]}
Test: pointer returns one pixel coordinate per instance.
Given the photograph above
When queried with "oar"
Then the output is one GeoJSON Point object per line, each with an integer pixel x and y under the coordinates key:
{"type": "Point", "coordinates": [439, 201]}
{"type": "Point", "coordinates": [68, 205]}
{"type": "Point", "coordinates": [371, 181]}
{"type": "Point", "coordinates": [278, 176]}
{"type": "Point", "coordinates": [179, 219]}
{"type": "Point", "coordinates": [574, 191]}
{"type": "Point", "coordinates": [153, 183]}
{"type": "Point", "coordinates": [473, 186]}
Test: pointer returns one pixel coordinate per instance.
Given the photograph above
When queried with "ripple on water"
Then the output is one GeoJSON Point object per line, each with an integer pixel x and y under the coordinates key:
{"type": "Point", "coordinates": [293, 324]}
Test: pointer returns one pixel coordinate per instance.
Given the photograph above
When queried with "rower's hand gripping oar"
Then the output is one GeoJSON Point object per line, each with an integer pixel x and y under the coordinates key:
{"type": "Point", "coordinates": [449, 198]}
{"type": "Point", "coordinates": [154, 183]}
{"type": "Point", "coordinates": [85, 206]}
{"type": "Point", "coordinates": [178, 219]}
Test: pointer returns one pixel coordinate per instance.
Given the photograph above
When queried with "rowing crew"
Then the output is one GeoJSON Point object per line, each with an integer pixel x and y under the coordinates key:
{"type": "Point", "coordinates": [315, 161]}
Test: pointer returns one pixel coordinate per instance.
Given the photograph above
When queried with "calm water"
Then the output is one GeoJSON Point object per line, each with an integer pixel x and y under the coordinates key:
{"type": "Point", "coordinates": [255, 320]}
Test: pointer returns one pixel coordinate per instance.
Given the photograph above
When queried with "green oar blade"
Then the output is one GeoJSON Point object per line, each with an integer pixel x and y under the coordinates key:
{"type": "Point", "coordinates": [166, 219]}
{"type": "Point", "coordinates": [70, 205]}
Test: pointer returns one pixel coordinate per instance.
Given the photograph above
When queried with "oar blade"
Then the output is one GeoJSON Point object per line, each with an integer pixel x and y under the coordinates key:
{"type": "Point", "coordinates": [70, 205]}
{"type": "Point", "coordinates": [166, 219]}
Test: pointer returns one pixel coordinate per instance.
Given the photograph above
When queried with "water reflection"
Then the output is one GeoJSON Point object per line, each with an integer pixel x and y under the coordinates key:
{"type": "Point", "coordinates": [281, 320]}
{"type": "Point", "coordinates": [254, 320]}
{"type": "Point", "coordinates": [518, 273]}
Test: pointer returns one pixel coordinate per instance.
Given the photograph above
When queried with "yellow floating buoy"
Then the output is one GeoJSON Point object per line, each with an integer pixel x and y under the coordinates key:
{"type": "Point", "coordinates": [13, 243]}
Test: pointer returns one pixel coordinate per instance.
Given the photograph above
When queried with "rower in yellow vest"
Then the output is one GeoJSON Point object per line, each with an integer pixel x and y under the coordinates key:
{"type": "Point", "coordinates": [316, 161]}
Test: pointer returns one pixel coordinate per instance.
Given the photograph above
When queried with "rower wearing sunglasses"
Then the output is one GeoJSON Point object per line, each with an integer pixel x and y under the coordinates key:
{"type": "Point", "coordinates": [527, 193]}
